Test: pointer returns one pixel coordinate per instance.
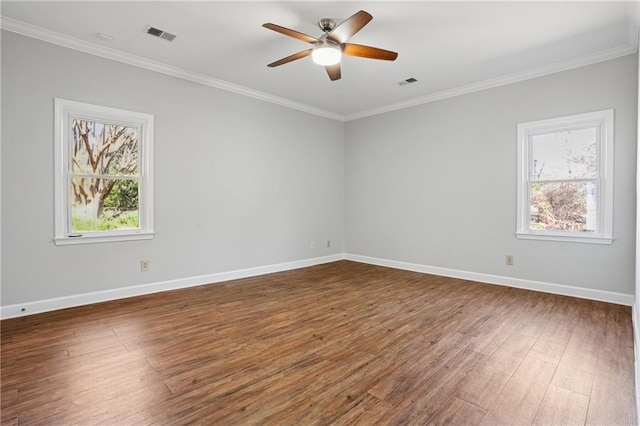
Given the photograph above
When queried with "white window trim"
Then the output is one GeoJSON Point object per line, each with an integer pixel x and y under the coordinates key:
{"type": "Point", "coordinates": [63, 110]}
{"type": "Point", "coordinates": [605, 120]}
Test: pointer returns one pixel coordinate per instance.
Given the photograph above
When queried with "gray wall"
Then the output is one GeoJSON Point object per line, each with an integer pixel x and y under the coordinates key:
{"type": "Point", "coordinates": [242, 183]}
{"type": "Point", "coordinates": [239, 183]}
{"type": "Point", "coordinates": [435, 184]}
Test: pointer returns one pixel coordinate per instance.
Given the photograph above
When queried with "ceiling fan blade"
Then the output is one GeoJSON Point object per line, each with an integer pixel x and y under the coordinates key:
{"type": "Point", "coordinates": [291, 33]}
{"type": "Point", "coordinates": [290, 58]}
{"type": "Point", "coordinates": [349, 27]}
{"type": "Point", "coordinates": [334, 72]}
{"type": "Point", "coordinates": [368, 52]}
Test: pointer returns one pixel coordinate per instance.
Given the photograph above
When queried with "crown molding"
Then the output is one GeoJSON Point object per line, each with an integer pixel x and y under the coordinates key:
{"type": "Point", "coordinates": [603, 55]}
{"type": "Point", "coordinates": [53, 37]}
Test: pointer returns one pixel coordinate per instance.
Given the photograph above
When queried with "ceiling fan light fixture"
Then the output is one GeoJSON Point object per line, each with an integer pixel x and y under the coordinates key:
{"type": "Point", "coordinates": [326, 54]}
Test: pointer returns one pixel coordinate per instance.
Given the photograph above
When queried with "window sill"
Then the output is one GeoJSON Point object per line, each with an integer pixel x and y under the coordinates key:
{"type": "Point", "coordinates": [586, 239]}
{"type": "Point", "coordinates": [90, 239]}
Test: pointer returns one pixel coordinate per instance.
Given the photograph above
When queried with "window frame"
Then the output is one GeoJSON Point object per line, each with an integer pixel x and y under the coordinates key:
{"type": "Point", "coordinates": [604, 121]}
{"type": "Point", "coordinates": [64, 112]}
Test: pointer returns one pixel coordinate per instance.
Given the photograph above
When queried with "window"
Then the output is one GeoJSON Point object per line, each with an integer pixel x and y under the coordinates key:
{"type": "Point", "coordinates": [104, 177]}
{"type": "Point", "coordinates": [565, 174]}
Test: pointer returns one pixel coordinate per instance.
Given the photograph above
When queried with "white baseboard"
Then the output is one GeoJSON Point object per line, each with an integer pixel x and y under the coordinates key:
{"type": "Point", "coordinates": [565, 290]}
{"type": "Point", "coordinates": [30, 308]}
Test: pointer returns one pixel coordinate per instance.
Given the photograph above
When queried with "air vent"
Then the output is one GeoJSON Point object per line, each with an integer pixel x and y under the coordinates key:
{"type": "Point", "coordinates": [407, 81]}
{"type": "Point", "coordinates": [160, 33]}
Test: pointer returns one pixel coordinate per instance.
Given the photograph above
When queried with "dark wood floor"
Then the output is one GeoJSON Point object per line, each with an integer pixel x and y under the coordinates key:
{"type": "Point", "coordinates": [343, 343]}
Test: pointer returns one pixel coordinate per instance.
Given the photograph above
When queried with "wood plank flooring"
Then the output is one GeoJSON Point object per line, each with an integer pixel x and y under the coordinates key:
{"type": "Point", "coordinates": [342, 343]}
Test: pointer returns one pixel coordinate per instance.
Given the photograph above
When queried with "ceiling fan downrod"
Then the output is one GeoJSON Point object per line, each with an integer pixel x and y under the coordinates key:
{"type": "Point", "coordinates": [326, 24]}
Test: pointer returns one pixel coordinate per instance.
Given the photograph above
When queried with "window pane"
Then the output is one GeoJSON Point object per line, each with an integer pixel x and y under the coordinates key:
{"type": "Point", "coordinates": [564, 206]}
{"type": "Point", "coordinates": [104, 149]}
{"type": "Point", "coordinates": [565, 155]}
{"type": "Point", "coordinates": [104, 204]}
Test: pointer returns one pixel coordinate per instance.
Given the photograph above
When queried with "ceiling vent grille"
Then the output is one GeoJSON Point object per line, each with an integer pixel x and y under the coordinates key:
{"type": "Point", "coordinates": [160, 33]}
{"type": "Point", "coordinates": [407, 81]}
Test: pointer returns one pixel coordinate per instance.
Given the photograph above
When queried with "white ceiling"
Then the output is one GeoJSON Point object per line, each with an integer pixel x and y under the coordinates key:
{"type": "Point", "coordinates": [449, 47]}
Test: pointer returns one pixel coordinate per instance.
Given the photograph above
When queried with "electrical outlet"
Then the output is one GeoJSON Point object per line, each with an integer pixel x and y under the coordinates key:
{"type": "Point", "coordinates": [508, 260]}
{"type": "Point", "coordinates": [312, 245]}
{"type": "Point", "coordinates": [328, 243]}
{"type": "Point", "coordinates": [144, 265]}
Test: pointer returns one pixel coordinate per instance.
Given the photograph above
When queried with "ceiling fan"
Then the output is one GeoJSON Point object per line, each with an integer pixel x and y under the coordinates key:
{"type": "Point", "coordinates": [330, 46]}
